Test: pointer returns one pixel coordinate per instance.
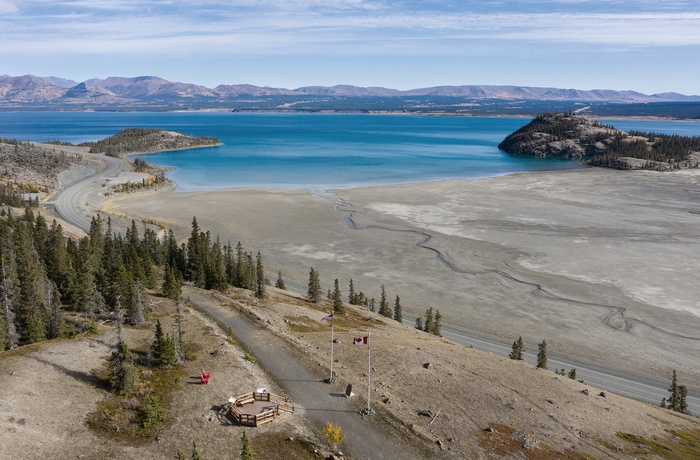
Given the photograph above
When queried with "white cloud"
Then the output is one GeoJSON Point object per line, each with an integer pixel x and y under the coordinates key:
{"type": "Point", "coordinates": [8, 6]}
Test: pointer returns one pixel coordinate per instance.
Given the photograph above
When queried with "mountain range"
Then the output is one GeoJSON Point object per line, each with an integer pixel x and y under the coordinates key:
{"type": "Point", "coordinates": [30, 92]}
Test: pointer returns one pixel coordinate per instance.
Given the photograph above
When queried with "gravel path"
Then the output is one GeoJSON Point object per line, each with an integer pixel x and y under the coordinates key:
{"type": "Point", "coordinates": [320, 402]}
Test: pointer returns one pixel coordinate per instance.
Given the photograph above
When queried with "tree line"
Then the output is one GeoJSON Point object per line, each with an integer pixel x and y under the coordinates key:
{"type": "Point", "coordinates": [433, 320]}
{"type": "Point", "coordinates": [52, 286]}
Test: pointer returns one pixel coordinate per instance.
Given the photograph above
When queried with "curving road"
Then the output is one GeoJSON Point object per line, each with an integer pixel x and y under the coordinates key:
{"type": "Point", "coordinates": [70, 203]}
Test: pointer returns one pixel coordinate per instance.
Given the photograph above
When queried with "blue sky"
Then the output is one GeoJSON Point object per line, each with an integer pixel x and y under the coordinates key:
{"type": "Point", "coordinates": [645, 45]}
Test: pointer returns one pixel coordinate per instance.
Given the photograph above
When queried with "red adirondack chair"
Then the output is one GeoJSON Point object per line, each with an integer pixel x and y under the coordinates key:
{"type": "Point", "coordinates": [204, 377]}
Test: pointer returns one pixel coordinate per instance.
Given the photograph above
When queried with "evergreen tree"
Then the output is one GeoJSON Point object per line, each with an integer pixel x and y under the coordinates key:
{"type": "Point", "coordinates": [240, 278]}
{"type": "Point", "coordinates": [419, 323]}
{"type": "Point", "coordinates": [280, 282]}
{"type": "Point", "coordinates": [9, 285]}
{"type": "Point", "coordinates": [122, 371]}
{"type": "Point", "coordinates": [56, 258]}
{"type": "Point", "coordinates": [179, 344]}
{"type": "Point", "coordinates": [172, 288]}
{"type": "Point", "coordinates": [246, 449]}
{"type": "Point", "coordinates": [195, 453]}
{"type": "Point", "coordinates": [163, 347]}
{"type": "Point", "coordinates": [572, 374]}
{"type": "Point", "coordinates": [398, 313]}
{"type": "Point", "coordinates": [428, 326]}
{"type": "Point", "coordinates": [260, 292]}
{"type": "Point", "coordinates": [437, 324]}
{"type": "Point", "coordinates": [517, 350]}
{"type": "Point", "coordinates": [196, 263]}
{"type": "Point", "coordinates": [55, 324]}
{"type": "Point", "coordinates": [337, 298]}
{"type": "Point", "coordinates": [542, 355]}
{"type": "Point", "coordinates": [314, 291]}
{"type": "Point", "coordinates": [371, 305]}
{"type": "Point", "coordinates": [151, 412]}
{"type": "Point", "coordinates": [136, 307]}
{"type": "Point", "coordinates": [683, 402]}
{"type": "Point", "coordinates": [351, 294]}
{"type": "Point", "coordinates": [216, 268]}
{"type": "Point", "coordinates": [30, 306]}
{"type": "Point", "coordinates": [677, 401]}
{"type": "Point", "coordinates": [384, 308]}
{"type": "Point", "coordinates": [180, 455]}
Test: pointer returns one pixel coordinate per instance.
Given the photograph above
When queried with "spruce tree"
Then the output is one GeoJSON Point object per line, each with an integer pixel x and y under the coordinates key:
{"type": "Point", "coordinates": [195, 452]}
{"type": "Point", "coordinates": [163, 347]}
{"type": "Point", "coordinates": [371, 305]}
{"type": "Point", "coordinates": [179, 343]}
{"type": "Point", "coordinates": [419, 323]}
{"type": "Point", "coordinates": [9, 285]}
{"type": "Point", "coordinates": [398, 313]}
{"type": "Point", "coordinates": [337, 298]}
{"type": "Point", "coordinates": [122, 371]}
{"type": "Point", "coordinates": [384, 308]}
{"type": "Point", "coordinates": [428, 326]}
{"type": "Point", "coordinates": [172, 289]}
{"type": "Point", "coordinates": [677, 402]}
{"type": "Point", "coordinates": [260, 292]}
{"type": "Point", "coordinates": [30, 306]}
{"type": "Point", "coordinates": [572, 374]}
{"type": "Point", "coordinates": [55, 323]}
{"type": "Point", "coordinates": [351, 293]}
{"type": "Point", "coordinates": [517, 350]}
{"type": "Point", "coordinates": [437, 324]}
{"type": "Point", "coordinates": [542, 355]}
{"type": "Point", "coordinates": [246, 449]}
{"type": "Point", "coordinates": [280, 282]}
{"type": "Point", "coordinates": [314, 291]}
{"type": "Point", "coordinates": [683, 396]}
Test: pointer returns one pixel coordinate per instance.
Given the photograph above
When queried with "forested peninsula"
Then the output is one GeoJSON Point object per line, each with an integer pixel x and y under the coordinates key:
{"type": "Point", "coordinates": [567, 135]}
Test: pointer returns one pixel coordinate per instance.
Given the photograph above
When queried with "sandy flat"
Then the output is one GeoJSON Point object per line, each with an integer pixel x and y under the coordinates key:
{"type": "Point", "coordinates": [537, 255]}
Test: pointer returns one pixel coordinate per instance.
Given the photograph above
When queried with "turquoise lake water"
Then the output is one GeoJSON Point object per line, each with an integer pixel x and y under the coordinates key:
{"type": "Point", "coordinates": [315, 151]}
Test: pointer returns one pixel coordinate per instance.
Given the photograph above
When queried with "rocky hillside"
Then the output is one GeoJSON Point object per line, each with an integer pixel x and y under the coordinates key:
{"type": "Point", "coordinates": [33, 167]}
{"type": "Point", "coordinates": [566, 135]}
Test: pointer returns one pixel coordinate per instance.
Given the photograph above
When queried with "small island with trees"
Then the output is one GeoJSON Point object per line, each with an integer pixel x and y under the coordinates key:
{"type": "Point", "coordinates": [567, 135]}
{"type": "Point", "coordinates": [143, 140]}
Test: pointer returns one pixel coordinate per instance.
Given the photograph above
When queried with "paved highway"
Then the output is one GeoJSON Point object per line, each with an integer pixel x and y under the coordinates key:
{"type": "Point", "coordinates": [70, 203]}
{"type": "Point", "coordinates": [633, 385]}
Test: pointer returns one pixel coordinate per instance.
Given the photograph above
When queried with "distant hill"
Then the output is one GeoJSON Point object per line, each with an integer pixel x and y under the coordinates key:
{"type": "Point", "coordinates": [152, 93]}
{"type": "Point", "coordinates": [572, 136]}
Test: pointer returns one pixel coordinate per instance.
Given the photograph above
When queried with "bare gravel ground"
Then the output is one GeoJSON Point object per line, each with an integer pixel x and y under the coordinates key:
{"type": "Point", "coordinates": [424, 389]}
{"type": "Point", "coordinates": [600, 263]}
{"type": "Point", "coordinates": [47, 391]}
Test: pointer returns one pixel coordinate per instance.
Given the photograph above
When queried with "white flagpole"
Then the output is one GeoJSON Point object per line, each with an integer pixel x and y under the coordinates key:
{"type": "Point", "coordinates": [330, 379]}
{"type": "Point", "coordinates": [369, 371]}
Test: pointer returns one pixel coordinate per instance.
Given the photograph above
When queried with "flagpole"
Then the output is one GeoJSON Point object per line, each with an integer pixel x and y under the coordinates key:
{"type": "Point", "coordinates": [369, 371]}
{"type": "Point", "coordinates": [331, 379]}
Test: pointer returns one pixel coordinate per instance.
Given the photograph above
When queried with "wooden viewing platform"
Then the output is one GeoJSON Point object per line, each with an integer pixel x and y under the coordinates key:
{"type": "Point", "coordinates": [253, 409]}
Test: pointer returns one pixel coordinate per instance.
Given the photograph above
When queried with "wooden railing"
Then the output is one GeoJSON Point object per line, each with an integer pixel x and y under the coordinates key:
{"type": "Point", "coordinates": [280, 404]}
